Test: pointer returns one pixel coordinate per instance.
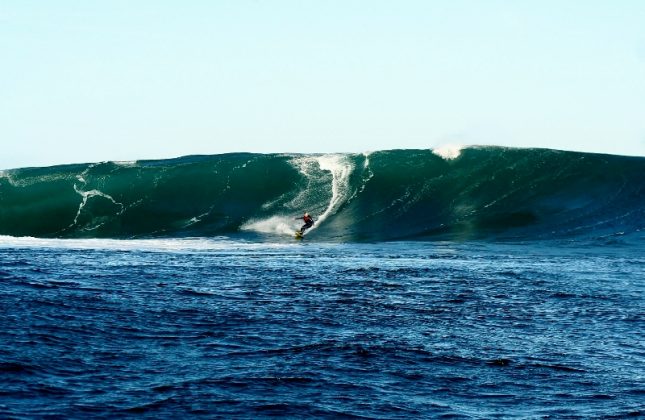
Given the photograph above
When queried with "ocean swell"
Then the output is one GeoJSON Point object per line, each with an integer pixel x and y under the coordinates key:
{"type": "Point", "coordinates": [446, 193]}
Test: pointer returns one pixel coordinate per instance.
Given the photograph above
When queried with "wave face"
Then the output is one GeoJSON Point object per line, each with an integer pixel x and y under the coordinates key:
{"type": "Point", "coordinates": [388, 195]}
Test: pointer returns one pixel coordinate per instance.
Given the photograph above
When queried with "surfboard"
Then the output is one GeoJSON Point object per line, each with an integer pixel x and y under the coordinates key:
{"type": "Point", "coordinates": [298, 235]}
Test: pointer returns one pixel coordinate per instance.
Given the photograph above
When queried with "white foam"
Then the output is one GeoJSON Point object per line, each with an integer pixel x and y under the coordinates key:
{"type": "Point", "coordinates": [448, 151]}
{"type": "Point", "coordinates": [86, 196]}
{"type": "Point", "coordinates": [125, 163]}
{"type": "Point", "coordinates": [160, 245]}
{"type": "Point", "coordinates": [367, 159]}
{"type": "Point", "coordinates": [370, 174]}
{"type": "Point", "coordinates": [8, 175]}
{"type": "Point", "coordinates": [195, 219]}
{"type": "Point", "coordinates": [3, 174]}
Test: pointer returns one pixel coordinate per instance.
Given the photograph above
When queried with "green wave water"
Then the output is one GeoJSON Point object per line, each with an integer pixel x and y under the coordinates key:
{"type": "Point", "coordinates": [477, 192]}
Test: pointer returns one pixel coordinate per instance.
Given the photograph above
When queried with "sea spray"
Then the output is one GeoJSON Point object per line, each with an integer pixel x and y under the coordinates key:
{"type": "Point", "coordinates": [448, 151]}
{"type": "Point", "coordinates": [280, 225]}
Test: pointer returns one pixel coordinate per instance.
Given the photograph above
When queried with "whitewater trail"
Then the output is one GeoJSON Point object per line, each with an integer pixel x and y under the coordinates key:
{"type": "Point", "coordinates": [340, 168]}
{"type": "Point", "coordinates": [314, 169]}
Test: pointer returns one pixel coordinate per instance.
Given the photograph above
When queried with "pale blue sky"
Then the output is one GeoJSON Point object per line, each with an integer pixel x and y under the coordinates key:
{"type": "Point", "coordinates": [85, 81]}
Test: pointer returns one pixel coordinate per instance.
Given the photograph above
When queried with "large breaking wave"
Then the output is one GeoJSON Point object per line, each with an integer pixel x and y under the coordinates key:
{"type": "Point", "coordinates": [448, 193]}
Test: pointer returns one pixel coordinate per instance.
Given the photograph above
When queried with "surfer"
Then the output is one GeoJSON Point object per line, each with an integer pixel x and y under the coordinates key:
{"type": "Point", "coordinates": [309, 222]}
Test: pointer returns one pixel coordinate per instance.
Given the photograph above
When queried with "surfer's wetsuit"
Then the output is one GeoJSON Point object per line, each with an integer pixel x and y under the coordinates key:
{"type": "Point", "coordinates": [309, 222]}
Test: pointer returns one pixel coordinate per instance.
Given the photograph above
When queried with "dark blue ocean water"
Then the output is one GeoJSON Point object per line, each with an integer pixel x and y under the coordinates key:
{"type": "Point", "coordinates": [221, 328]}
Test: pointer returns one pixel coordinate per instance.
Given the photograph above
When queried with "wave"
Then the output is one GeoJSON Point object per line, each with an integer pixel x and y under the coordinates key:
{"type": "Point", "coordinates": [448, 193]}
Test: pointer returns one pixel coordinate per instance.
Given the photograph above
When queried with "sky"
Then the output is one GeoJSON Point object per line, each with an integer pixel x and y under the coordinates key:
{"type": "Point", "coordinates": [88, 81]}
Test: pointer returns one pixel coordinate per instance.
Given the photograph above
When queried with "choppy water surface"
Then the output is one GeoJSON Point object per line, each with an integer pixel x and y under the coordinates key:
{"type": "Point", "coordinates": [390, 330]}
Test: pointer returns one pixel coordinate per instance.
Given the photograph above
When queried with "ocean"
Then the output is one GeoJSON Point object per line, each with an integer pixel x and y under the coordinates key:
{"type": "Point", "coordinates": [474, 283]}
